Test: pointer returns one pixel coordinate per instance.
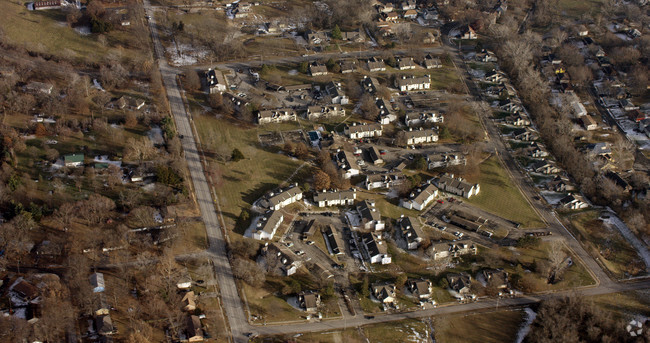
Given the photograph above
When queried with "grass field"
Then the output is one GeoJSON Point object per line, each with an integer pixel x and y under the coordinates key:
{"type": "Point", "coordinates": [410, 330]}
{"type": "Point", "coordinates": [625, 304]}
{"type": "Point", "coordinates": [489, 327]}
{"type": "Point", "coordinates": [620, 258]}
{"type": "Point", "coordinates": [575, 9]}
{"type": "Point", "coordinates": [500, 196]}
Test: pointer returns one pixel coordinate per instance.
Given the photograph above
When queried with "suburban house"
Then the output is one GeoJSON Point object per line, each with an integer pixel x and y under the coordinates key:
{"type": "Point", "coordinates": [411, 230]}
{"type": "Point", "coordinates": [348, 163]}
{"type": "Point", "coordinates": [496, 277]}
{"type": "Point", "coordinates": [385, 115]}
{"type": "Point", "coordinates": [523, 134]}
{"type": "Point", "coordinates": [495, 76]}
{"type": "Point", "coordinates": [376, 248]}
{"type": "Point", "coordinates": [405, 63]}
{"type": "Point", "coordinates": [281, 197]}
{"type": "Point", "coordinates": [104, 325]}
{"type": "Point", "coordinates": [420, 118]}
{"type": "Point", "coordinates": [420, 288]}
{"type": "Point", "coordinates": [410, 14]}
{"type": "Point", "coordinates": [370, 216]}
{"type": "Point", "coordinates": [408, 5]}
{"type": "Point", "coordinates": [353, 36]}
{"type": "Point", "coordinates": [573, 202]}
{"type": "Point", "coordinates": [391, 17]}
{"type": "Point", "coordinates": [309, 301]}
{"type": "Point", "coordinates": [536, 150]}
{"type": "Point", "coordinates": [412, 82]}
{"type": "Point", "coordinates": [601, 149]}
{"type": "Point", "coordinates": [588, 123]}
{"type": "Point", "coordinates": [127, 102]}
{"type": "Point", "coordinates": [347, 66]}
{"type": "Point", "coordinates": [431, 62]}
{"type": "Point", "coordinates": [375, 64]}
{"type": "Point", "coordinates": [486, 56]}
{"type": "Point", "coordinates": [276, 116]}
{"type": "Point", "coordinates": [335, 245]}
{"type": "Point", "coordinates": [335, 198]}
{"type": "Point", "coordinates": [317, 112]}
{"type": "Point", "coordinates": [385, 7]}
{"type": "Point", "coordinates": [194, 329]}
{"type": "Point", "coordinates": [73, 160]}
{"type": "Point", "coordinates": [420, 197]}
{"type": "Point", "coordinates": [421, 136]}
{"type": "Point", "coordinates": [578, 109]}
{"type": "Point", "coordinates": [511, 106]}
{"type": "Point", "coordinates": [336, 93]}
{"type": "Point", "coordinates": [387, 180]}
{"type": "Point", "coordinates": [460, 282]}
{"type": "Point", "coordinates": [268, 224]}
{"type": "Point", "coordinates": [544, 167]}
{"type": "Point", "coordinates": [444, 160]}
{"type": "Point", "coordinates": [215, 81]}
{"type": "Point", "coordinates": [97, 282]}
{"type": "Point", "coordinates": [374, 155]}
{"type": "Point", "coordinates": [458, 186]}
{"type": "Point", "coordinates": [317, 37]}
{"type": "Point", "coordinates": [358, 131]}
{"type": "Point", "coordinates": [467, 32]}
{"type": "Point", "coordinates": [517, 120]}
{"type": "Point", "coordinates": [317, 69]}
{"type": "Point", "coordinates": [189, 301]}
{"type": "Point", "coordinates": [287, 262]}
{"type": "Point", "coordinates": [369, 84]}
{"type": "Point", "coordinates": [43, 5]}
{"type": "Point", "coordinates": [559, 184]}
{"type": "Point", "coordinates": [384, 292]}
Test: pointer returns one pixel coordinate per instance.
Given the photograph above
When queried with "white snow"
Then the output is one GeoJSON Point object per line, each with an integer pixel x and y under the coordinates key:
{"type": "Point", "coordinates": [525, 328]}
{"type": "Point", "coordinates": [185, 54]}
{"type": "Point", "coordinates": [83, 30]}
{"type": "Point", "coordinates": [97, 85]}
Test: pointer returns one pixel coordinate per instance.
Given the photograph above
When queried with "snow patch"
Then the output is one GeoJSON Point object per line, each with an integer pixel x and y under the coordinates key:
{"type": "Point", "coordinates": [525, 327]}
{"type": "Point", "coordinates": [185, 54]}
{"type": "Point", "coordinates": [83, 30]}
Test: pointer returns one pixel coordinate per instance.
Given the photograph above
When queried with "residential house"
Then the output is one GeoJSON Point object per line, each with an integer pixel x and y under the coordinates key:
{"type": "Point", "coordinates": [359, 131]}
{"type": "Point", "coordinates": [287, 263]}
{"type": "Point", "coordinates": [410, 14]}
{"type": "Point", "coordinates": [281, 197]}
{"type": "Point", "coordinates": [459, 282]}
{"type": "Point", "coordinates": [636, 116]}
{"type": "Point", "coordinates": [335, 245]}
{"type": "Point", "coordinates": [356, 36]}
{"type": "Point", "coordinates": [25, 290]}
{"type": "Point", "coordinates": [523, 134]}
{"type": "Point", "coordinates": [618, 180]}
{"type": "Point", "coordinates": [599, 150]}
{"type": "Point", "coordinates": [318, 112]}
{"type": "Point", "coordinates": [487, 56]}
{"type": "Point", "coordinates": [517, 120]}
{"type": "Point", "coordinates": [588, 123]}
{"type": "Point", "coordinates": [309, 301]}
{"type": "Point", "coordinates": [578, 109]}
{"type": "Point", "coordinates": [215, 81]}
{"type": "Point", "coordinates": [405, 63]}
{"type": "Point", "coordinates": [495, 76]}
{"type": "Point", "coordinates": [335, 198]}
{"type": "Point", "coordinates": [39, 87]}
{"type": "Point", "coordinates": [458, 186]}
{"type": "Point", "coordinates": [573, 202]}
{"type": "Point", "coordinates": [391, 17]}
{"type": "Point", "coordinates": [444, 160]}
{"type": "Point", "coordinates": [317, 69]}
{"type": "Point", "coordinates": [376, 248]}
{"type": "Point", "coordinates": [559, 184]}
{"type": "Point", "coordinates": [627, 105]}
{"type": "Point", "coordinates": [536, 150]}
{"type": "Point", "coordinates": [420, 288]}
{"type": "Point", "coordinates": [467, 32]}
{"type": "Point", "coordinates": [431, 62]}
{"type": "Point", "coordinates": [384, 292]}
{"type": "Point", "coordinates": [375, 64]}
{"type": "Point", "coordinates": [511, 106]}
{"type": "Point", "coordinates": [411, 231]}
{"type": "Point", "coordinates": [421, 136]}
{"type": "Point", "coordinates": [189, 301]}
{"type": "Point", "coordinates": [374, 155]}
{"type": "Point", "coordinates": [385, 7]}
{"type": "Point", "coordinates": [385, 115]}
{"type": "Point", "coordinates": [104, 325]}
{"type": "Point", "coordinates": [348, 163]}
{"type": "Point", "coordinates": [317, 37]}
{"type": "Point", "coordinates": [268, 224]}
{"type": "Point", "coordinates": [97, 282]}
{"type": "Point", "coordinates": [347, 66]}
{"type": "Point", "coordinates": [43, 5]}
{"type": "Point", "coordinates": [276, 116]}
{"type": "Point", "coordinates": [430, 14]}
{"type": "Point", "coordinates": [388, 180]}
{"type": "Point", "coordinates": [420, 197]}
{"type": "Point", "coordinates": [495, 277]}
{"type": "Point", "coordinates": [544, 167]}
{"type": "Point", "coordinates": [408, 5]}
{"type": "Point", "coordinates": [419, 118]}
{"type": "Point", "coordinates": [336, 93]}
{"type": "Point", "coordinates": [413, 82]}
{"type": "Point", "coordinates": [369, 84]}
{"type": "Point", "coordinates": [73, 160]}
{"type": "Point", "coordinates": [370, 216]}
{"type": "Point", "coordinates": [194, 329]}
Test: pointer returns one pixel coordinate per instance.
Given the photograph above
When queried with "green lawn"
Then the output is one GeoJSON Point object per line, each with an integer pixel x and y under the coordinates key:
{"type": "Point", "coordinates": [489, 327]}
{"type": "Point", "coordinates": [500, 196]}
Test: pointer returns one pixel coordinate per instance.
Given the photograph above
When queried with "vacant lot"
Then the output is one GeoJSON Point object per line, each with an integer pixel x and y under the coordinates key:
{"type": "Point", "coordinates": [500, 196]}
{"type": "Point", "coordinates": [490, 327]}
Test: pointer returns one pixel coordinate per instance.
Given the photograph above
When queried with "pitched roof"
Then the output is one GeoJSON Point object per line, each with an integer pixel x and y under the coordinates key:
{"type": "Point", "coordinates": [335, 195]}
{"type": "Point", "coordinates": [368, 211]}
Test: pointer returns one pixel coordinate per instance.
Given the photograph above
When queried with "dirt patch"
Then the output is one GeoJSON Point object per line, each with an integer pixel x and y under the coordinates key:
{"type": "Point", "coordinates": [295, 136]}
{"type": "Point", "coordinates": [270, 138]}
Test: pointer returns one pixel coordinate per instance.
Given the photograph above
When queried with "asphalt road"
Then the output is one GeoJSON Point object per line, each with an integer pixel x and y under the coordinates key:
{"type": "Point", "coordinates": [230, 300]}
{"type": "Point", "coordinates": [232, 304]}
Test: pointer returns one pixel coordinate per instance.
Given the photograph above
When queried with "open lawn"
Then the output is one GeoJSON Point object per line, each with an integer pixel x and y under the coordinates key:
{"type": "Point", "coordinates": [500, 196]}
{"type": "Point", "coordinates": [607, 244]}
{"type": "Point", "coordinates": [269, 307]}
{"type": "Point", "coordinates": [575, 9]}
{"type": "Point", "coordinates": [488, 327]}
{"type": "Point", "coordinates": [625, 304]}
{"type": "Point", "coordinates": [411, 330]}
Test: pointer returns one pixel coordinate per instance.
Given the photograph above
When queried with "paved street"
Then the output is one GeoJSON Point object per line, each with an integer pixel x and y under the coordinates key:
{"type": "Point", "coordinates": [230, 299]}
